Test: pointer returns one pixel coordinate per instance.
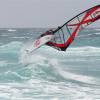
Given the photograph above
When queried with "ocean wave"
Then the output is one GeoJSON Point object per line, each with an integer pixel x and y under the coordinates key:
{"type": "Point", "coordinates": [88, 35]}
{"type": "Point", "coordinates": [71, 51]}
{"type": "Point", "coordinates": [54, 66]}
{"type": "Point", "coordinates": [45, 51]}
{"type": "Point", "coordinates": [44, 58]}
{"type": "Point", "coordinates": [19, 37]}
{"type": "Point", "coordinates": [11, 30]}
{"type": "Point", "coordinates": [97, 33]}
{"type": "Point", "coordinates": [11, 47]}
{"type": "Point", "coordinates": [5, 35]}
{"type": "Point", "coordinates": [97, 29]}
{"type": "Point", "coordinates": [3, 63]}
{"type": "Point", "coordinates": [73, 76]}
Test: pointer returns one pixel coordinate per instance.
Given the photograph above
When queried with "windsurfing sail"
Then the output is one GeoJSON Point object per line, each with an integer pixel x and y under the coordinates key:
{"type": "Point", "coordinates": [65, 34]}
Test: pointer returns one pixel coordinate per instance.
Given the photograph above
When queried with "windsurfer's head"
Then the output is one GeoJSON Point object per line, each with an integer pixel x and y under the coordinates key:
{"type": "Point", "coordinates": [49, 32]}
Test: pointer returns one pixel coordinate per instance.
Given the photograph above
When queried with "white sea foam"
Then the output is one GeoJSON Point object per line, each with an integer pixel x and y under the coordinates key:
{"type": "Point", "coordinates": [97, 29]}
{"type": "Point", "coordinates": [97, 33]}
{"type": "Point", "coordinates": [4, 35]}
{"type": "Point", "coordinates": [11, 45]}
{"type": "Point", "coordinates": [18, 37]}
{"type": "Point", "coordinates": [11, 30]}
{"type": "Point", "coordinates": [26, 58]}
{"type": "Point", "coordinates": [15, 74]}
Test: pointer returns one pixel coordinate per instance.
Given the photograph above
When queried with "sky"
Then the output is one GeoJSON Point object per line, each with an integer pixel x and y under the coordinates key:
{"type": "Point", "coordinates": [41, 13]}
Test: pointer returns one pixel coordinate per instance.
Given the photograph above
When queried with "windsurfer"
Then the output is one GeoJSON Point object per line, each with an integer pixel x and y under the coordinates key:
{"type": "Point", "coordinates": [50, 32]}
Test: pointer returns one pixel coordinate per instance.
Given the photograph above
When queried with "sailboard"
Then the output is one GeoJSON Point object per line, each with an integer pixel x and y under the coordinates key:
{"type": "Point", "coordinates": [41, 40]}
{"type": "Point", "coordinates": [64, 35]}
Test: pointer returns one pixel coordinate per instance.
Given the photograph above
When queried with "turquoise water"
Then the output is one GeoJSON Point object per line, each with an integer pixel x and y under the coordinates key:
{"type": "Point", "coordinates": [49, 74]}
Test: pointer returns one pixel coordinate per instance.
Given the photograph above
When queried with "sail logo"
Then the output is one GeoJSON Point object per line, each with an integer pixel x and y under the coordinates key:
{"type": "Point", "coordinates": [37, 42]}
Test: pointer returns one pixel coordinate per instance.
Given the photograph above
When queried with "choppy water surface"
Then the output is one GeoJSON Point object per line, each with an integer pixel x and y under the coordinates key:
{"type": "Point", "coordinates": [49, 74]}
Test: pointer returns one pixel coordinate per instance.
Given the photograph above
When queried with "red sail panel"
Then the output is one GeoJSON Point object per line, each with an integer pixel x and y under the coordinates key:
{"type": "Point", "coordinates": [64, 35]}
